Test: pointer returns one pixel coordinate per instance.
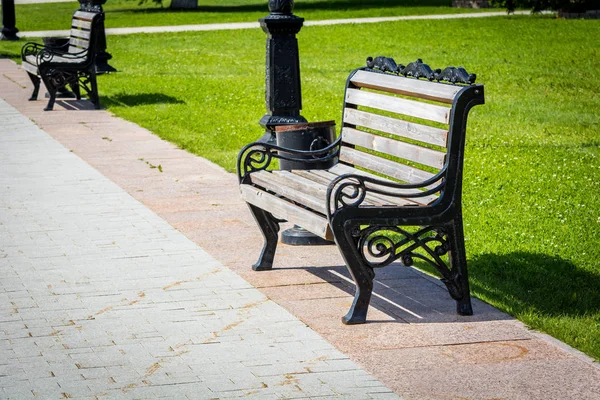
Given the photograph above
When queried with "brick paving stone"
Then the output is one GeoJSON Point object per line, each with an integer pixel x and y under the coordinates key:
{"type": "Point", "coordinates": [101, 297]}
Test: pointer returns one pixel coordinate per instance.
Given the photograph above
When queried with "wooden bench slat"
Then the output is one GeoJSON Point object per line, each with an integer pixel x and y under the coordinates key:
{"type": "Point", "coordinates": [313, 188]}
{"type": "Point", "coordinates": [323, 178]}
{"type": "Point", "coordinates": [78, 23]}
{"type": "Point", "coordinates": [380, 165]}
{"type": "Point", "coordinates": [341, 169]}
{"type": "Point", "coordinates": [407, 151]}
{"type": "Point", "coordinates": [278, 185]}
{"type": "Point", "coordinates": [441, 92]}
{"type": "Point", "coordinates": [282, 209]}
{"type": "Point", "coordinates": [310, 182]}
{"type": "Point", "coordinates": [397, 105]}
{"type": "Point", "coordinates": [410, 130]}
{"type": "Point", "coordinates": [377, 199]}
{"type": "Point", "coordinates": [30, 66]}
{"type": "Point", "coordinates": [83, 44]}
{"type": "Point", "coordinates": [383, 199]}
{"type": "Point", "coordinates": [84, 15]}
{"type": "Point", "coordinates": [80, 34]}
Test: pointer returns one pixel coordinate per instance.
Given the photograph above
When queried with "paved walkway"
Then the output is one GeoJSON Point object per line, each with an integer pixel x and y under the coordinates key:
{"type": "Point", "coordinates": [128, 279]}
{"type": "Point", "coordinates": [255, 25]}
{"type": "Point", "coordinates": [100, 297]}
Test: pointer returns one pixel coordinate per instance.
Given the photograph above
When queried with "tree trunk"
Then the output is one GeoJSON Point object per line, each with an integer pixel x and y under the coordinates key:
{"type": "Point", "coordinates": [184, 4]}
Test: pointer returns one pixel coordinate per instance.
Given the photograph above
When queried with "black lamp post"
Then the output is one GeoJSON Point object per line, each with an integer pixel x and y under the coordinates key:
{"type": "Point", "coordinates": [282, 87]}
{"type": "Point", "coordinates": [9, 29]}
{"type": "Point", "coordinates": [102, 56]}
{"type": "Point", "coordinates": [283, 96]}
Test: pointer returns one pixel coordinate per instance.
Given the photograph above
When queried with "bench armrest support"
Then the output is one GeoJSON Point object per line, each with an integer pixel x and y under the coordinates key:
{"type": "Point", "coordinates": [46, 53]}
{"type": "Point", "coordinates": [257, 156]}
{"type": "Point", "coordinates": [30, 48]}
{"type": "Point", "coordinates": [338, 195]}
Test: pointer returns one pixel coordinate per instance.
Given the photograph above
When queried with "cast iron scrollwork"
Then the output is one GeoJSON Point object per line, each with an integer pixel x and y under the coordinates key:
{"type": "Point", "coordinates": [350, 190]}
{"type": "Point", "coordinates": [255, 158]}
{"type": "Point", "coordinates": [382, 245]}
{"type": "Point", "coordinates": [418, 69]}
{"type": "Point", "coordinates": [258, 156]}
{"type": "Point", "coordinates": [31, 49]}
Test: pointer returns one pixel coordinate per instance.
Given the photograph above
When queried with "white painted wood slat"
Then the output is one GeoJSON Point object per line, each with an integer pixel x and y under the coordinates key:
{"type": "Point", "coordinates": [442, 92]}
{"type": "Point", "coordinates": [397, 105]}
{"type": "Point", "coordinates": [394, 126]}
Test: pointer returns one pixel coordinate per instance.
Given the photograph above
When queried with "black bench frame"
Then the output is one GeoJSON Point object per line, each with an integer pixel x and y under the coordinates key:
{"type": "Point", "coordinates": [370, 236]}
{"type": "Point", "coordinates": [73, 64]}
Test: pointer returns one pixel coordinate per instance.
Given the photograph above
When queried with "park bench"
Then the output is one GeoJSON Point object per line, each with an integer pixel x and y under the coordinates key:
{"type": "Point", "coordinates": [394, 190]}
{"type": "Point", "coordinates": [72, 64]}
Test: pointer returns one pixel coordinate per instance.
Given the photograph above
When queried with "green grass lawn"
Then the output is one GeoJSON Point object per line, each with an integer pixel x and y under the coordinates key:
{"type": "Point", "coordinates": [128, 13]}
{"type": "Point", "coordinates": [532, 173]}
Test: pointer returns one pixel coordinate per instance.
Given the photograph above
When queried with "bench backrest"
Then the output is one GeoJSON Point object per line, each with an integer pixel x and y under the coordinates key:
{"type": "Point", "coordinates": [407, 129]}
{"type": "Point", "coordinates": [83, 31]}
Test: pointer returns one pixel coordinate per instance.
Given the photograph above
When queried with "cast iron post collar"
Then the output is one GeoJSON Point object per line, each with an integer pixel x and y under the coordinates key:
{"type": "Point", "coordinates": [9, 29]}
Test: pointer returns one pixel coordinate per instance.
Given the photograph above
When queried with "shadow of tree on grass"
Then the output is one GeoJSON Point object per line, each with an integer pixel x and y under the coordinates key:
{"type": "Point", "coordinates": [536, 283]}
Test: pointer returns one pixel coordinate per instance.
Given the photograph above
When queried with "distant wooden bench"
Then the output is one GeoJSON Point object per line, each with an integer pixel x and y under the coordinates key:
{"type": "Point", "coordinates": [394, 191]}
{"type": "Point", "coordinates": [73, 64]}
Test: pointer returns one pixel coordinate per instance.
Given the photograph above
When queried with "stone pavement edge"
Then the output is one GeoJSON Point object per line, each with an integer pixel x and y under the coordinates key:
{"type": "Point", "coordinates": [414, 343]}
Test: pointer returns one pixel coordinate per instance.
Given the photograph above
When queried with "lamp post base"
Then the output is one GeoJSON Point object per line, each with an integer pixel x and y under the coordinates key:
{"type": "Point", "coordinates": [297, 236]}
{"type": "Point", "coordinates": [102, 66]}
{"type": "Point", "coordinates": [9, 34]}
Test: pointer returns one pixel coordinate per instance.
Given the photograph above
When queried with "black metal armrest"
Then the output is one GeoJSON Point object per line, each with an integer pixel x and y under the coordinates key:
{"type": "Point", "coordinates": [47, 54]}
{"type": "Point", "coordinates": [350, 190]}
{"type": "Point", "coordinates": [30, 48]}
{"type": "Point", "coordinates": [258, 156]}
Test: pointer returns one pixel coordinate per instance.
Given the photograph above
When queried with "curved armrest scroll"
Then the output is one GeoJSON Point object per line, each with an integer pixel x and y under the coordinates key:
{"type": "Point", "coordinates": [258, 156]}
{"type": "Point", "coordinates": [350, 190]}
{"type": "Point", "coordinates": [30, 48]}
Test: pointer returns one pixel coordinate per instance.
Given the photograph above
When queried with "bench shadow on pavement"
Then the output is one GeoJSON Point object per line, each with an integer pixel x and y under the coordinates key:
{"type": "Point", "coordinates": [409, 295]}
{"type": "Point", "coordinates": [128, 100]}
{"type": "Point", "coordinates": [406, 294]}
{"type": "Point", "coordinates": [72, 104]}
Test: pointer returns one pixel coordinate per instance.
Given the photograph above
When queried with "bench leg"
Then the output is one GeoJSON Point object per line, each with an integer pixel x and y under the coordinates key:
{"type": "Point", "coordinates": [52, 89]}
{"type": "Point", "coordinates": [76, 90]}
{"type": "Point", "coordinates": [52, 98]}
{"type": "Point", "coordinates": [270, 229]}
{"type": "Point", "coordinates": [95, 99]}
{"type": "Point", "coordinates": [362, 273]}
{"type": "Point", "coordinates": [36, 86]}
{"type": "Point", "coordinates": [458, 266]}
